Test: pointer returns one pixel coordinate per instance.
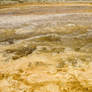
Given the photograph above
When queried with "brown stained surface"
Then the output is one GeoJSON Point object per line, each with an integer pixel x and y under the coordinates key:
{"type": "Point", "coordinates": [46, 49]}
{"type": "Point", "coordinates": [40, 10]}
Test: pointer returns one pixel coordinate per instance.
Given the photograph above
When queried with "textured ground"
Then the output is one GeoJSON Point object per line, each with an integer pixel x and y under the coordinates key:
{"type": "Point", "coordinates": [46, 49]}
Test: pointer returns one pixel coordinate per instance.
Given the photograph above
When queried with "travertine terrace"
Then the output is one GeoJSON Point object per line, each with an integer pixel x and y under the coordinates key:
{"type": "Point", "coordinates": [46, 48]}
